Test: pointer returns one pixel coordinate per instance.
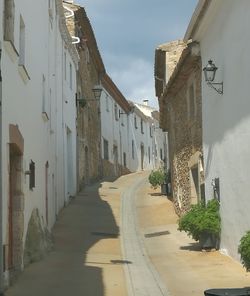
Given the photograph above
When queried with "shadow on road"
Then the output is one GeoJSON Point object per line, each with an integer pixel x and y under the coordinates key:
{"type": "Point", "coordinates": [192, 247]}
{"type": "Point", "coordinates": [88, 220]}
{"type": "Point", "coordinates": [69, 269]}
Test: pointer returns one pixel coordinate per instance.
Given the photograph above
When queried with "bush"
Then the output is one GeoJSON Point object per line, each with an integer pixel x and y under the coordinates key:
{"type": "Point", "coordinates": [157, 178]}
{"type": "Point", "coordinates": [200, 219]}
{"type": "Point", "coordinates": [244, 250]}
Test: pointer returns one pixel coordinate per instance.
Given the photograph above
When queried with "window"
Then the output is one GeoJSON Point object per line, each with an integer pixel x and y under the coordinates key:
{"type": "Point", "coordinates": [122, 117]}
{"type": "Point", "coordinates": [107, 103]}
{"type": "Point", "coordinates": [106, 149]}
{"type": "Point", "coordinates": [151, 131]}
{"type": "Point", "coordinates": [135, 122]}
{"type": "Point", "coordinates": [9, 20]}
{"type": "Point", "coordinates": [124, 159]}
{"type": "Point", "coordinates": [70, 76]}
{"type": "Point", "coordinates": [133, 149]}
{"type": "Point", "coordinates": [22, 42]}
{"type": "Point", "coordinates": [161, 154]}
{"type": "Point", "coordinates": [191, 101]}
{"type": "Point", "coordinates": [149, 154]}
{"type": "Point", "coordinates": [116, 112]}
{"type": "Point", "coordinates": [142, 131]}
{"type": "Point", "coordinates": [32, 175]}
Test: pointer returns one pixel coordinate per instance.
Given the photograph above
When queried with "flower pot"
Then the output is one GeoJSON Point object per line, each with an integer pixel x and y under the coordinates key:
{"type": "Point", "coordinates": [164, 189]}
{"type": "Point", "coordinates": [208, 241]}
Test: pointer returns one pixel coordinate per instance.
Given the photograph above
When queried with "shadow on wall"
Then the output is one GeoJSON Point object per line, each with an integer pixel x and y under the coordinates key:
{"type": "Point", "coordinates": [68, 270]}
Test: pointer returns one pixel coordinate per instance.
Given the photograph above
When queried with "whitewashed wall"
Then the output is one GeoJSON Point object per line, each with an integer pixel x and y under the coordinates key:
{"type": "Point", "coordinates": [22, 106]}
{"type": "Point", "coordinates": [154, 142]}
{"type": "Point", "coordinates": [45, 137]}
{"type": "Point", "coordinates": [1, 21]}
{"type": "Point", "coordinates": [115, 131]}
{"type": "Point", "coordinates": [224, 37]}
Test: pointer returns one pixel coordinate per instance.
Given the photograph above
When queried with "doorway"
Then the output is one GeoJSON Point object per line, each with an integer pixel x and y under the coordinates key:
{"type": "Point", "coordinates": [195, 187]}
{"type": "Point", "coordinates": [70, 174]}
{"type": "Point", "coordinates": [15, 211]}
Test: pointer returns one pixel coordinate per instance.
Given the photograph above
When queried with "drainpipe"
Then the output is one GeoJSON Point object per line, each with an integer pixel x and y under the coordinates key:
{"type": "Point", "coordinates": [1, 203]}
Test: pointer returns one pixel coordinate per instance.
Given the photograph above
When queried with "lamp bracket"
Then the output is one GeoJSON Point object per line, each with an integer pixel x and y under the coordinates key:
{"type": "Point", "coordinates": [217, 86]}
{"type": "Point", "coordinates": [120, 113]}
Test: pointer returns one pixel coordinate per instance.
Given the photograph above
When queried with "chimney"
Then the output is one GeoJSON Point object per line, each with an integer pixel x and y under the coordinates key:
{"type": "Point", "coordinates": [145, 102]}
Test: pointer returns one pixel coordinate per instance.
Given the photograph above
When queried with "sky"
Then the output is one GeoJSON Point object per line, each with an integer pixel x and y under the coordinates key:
{"type": "Point", "coordinates": [127, 33]}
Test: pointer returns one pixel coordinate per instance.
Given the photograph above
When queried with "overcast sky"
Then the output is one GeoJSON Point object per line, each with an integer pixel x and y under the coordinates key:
{"type": "Point", "coordinates": [127, 33]}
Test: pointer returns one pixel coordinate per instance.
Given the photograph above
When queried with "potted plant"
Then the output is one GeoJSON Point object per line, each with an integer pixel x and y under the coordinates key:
{"type": "Point", "coordinates": [158, 178]}
{"type": "Point", "coordinates": [202, 223]}
{"type": "Point", "coordinates": [244, 250]}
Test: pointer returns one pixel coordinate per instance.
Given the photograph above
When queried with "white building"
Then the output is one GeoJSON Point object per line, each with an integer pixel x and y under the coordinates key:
{"type": "Point", "coordinates": [114, 129]}
{"type": "Point", "coordinates": [131, 138]}
{"type": "Point", "coordinates": [38, 144]}
{"type": "Point", "coordinates": [147, 142]}
{"type": "Point", "coordinates": [222, 29]}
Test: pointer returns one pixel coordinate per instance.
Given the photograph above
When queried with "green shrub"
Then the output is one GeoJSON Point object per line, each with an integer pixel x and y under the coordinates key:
{"type": "Point", "coordinates": [244, 250]}
{"type": "Point", "coordinates": [201, 219]}
{"type": "Point", "coordinates": [157, 178]}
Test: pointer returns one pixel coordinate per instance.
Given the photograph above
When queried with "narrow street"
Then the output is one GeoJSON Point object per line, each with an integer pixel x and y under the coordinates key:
{"type": "Point", "coordinates": [142, 279]}
{"type": "Point", "coordinates": [121, 238]}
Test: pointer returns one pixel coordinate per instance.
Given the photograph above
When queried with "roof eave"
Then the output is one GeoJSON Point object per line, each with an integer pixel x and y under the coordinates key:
{"type": "Point", "coordinates": [196, 19]}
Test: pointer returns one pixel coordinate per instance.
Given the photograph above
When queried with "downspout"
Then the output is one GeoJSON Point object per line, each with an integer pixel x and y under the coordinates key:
{"type": "Point", "coordinates": [1, 201]}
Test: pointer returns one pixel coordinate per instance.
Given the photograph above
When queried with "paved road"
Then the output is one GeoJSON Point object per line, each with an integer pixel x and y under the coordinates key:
{"type": "Point", "coordinates": [88, 261]}
{"type": "Point", "coordinates": [142, 278]}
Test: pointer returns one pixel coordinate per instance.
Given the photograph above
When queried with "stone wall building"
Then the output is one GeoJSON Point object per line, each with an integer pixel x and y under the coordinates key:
{"type": "Point", "coordinates": [91, 70]}
{"type": "Point", "coordinates": [181, 117]}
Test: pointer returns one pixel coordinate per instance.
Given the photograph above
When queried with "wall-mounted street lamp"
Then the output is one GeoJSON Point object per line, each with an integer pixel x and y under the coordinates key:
{"type": "Point", "coordinates": [209, 72]}
{"type": "Point", "coordinates": [120, 113]}
{"type": "Point", "coordinates": [132, 109]}
{"type": "Point", "coordinates": [97, 90]}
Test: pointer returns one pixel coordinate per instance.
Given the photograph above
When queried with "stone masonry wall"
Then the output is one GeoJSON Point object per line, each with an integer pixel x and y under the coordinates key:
{"type": "Point", "coordinates": [109, 169]}
{"type": "Point", "coordinates": [185, 138]}
{"type": "Point", "coordinates": [173, 54]}
{"type": "Point", "coordinates": [88, 113]}
{"type": "Point", "coordinates": [38, 240]}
